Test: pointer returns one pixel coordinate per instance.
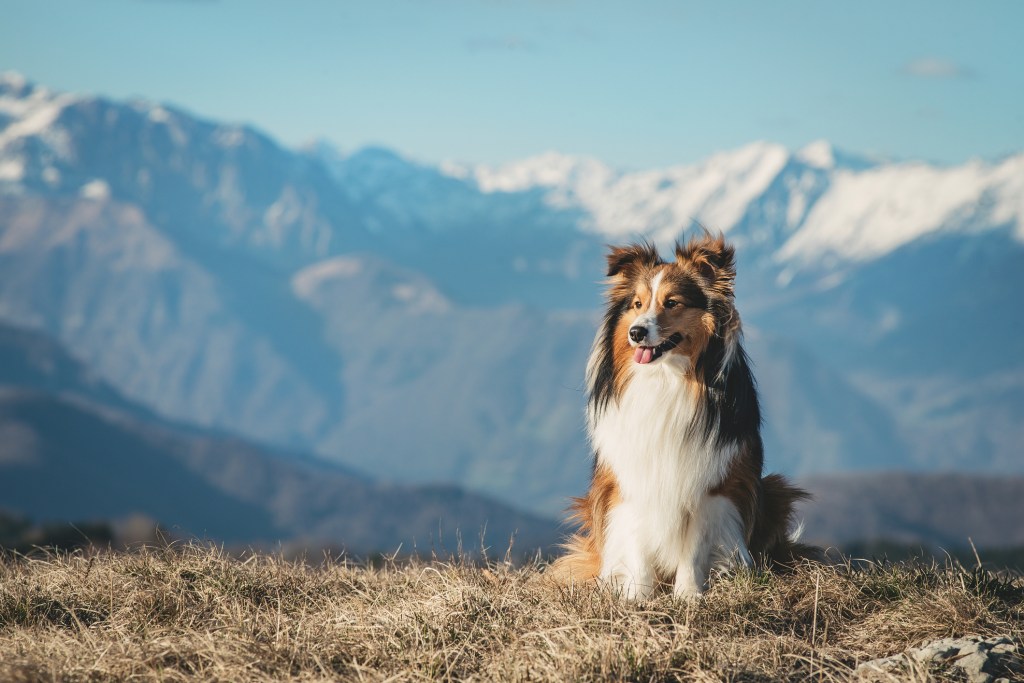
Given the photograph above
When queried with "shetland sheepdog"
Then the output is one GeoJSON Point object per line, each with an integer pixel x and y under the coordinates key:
{"type": "Point", "coordinates": [673, 418]}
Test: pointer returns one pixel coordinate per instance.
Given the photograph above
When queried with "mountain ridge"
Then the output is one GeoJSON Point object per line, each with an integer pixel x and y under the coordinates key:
{"type": "Point", "coordinates": [206, 272]}
{"type": "Point", "coordinates": [87, 453]}
{"type": "Point", "coordinates": [243, 493]}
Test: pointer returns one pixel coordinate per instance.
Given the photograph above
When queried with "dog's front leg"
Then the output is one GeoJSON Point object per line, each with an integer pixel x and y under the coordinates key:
{"type": "Point", "coordinates": [625, 565]}
{"type": "Point", "coordinates": [714, 536]}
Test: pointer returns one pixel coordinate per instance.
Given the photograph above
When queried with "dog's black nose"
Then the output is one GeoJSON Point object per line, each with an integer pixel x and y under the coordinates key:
{"type": "Point", "coordinates": [638, 334]}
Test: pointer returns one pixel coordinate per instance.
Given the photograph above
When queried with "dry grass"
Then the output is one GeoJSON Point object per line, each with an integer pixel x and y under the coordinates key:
{"type": "Point", "coordinates": [193, 612]}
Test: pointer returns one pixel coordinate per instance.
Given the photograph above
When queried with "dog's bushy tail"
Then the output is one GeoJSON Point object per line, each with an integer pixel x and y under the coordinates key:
{"type": "Point", "coordinates": [776, 534]}
{"type": "Point", "coordinates": [582, 559]}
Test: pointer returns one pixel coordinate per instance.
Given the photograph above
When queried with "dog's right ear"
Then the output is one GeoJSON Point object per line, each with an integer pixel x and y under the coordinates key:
{"type": "Point", "coordinates": [622, 261]}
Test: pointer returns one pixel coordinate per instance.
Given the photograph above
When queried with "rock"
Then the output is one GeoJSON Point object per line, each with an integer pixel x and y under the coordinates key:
{"type": "Point", "coordinates": [981, 660]}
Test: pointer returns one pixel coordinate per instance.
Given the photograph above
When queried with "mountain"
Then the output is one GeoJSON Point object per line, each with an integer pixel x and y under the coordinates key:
{"type": "Point", "coordinates": [815, 207]}
{"type": "Point", "coordinates": [68, 460]}
{"type": "Point", "coordinates": [656, 203]}
{"type": "Point", "coordinates": [157, 247]}
{"type": "Point", "coordinates": [430, 324]}
{"type": "Point", "coordinates": [515, 247]}
{"type": "Point", "coordinates": [89, 454]}
{"type": "Point", "coordinates": [33, 361]}
{"type": "Point", "coordinates": [508, 400]}
{"type": "Point", "coordinates": [205, 184]}
{"type": "Point", "coordinates": [949, 510]}
{"type": "Point", "coordinates": [64, 461]}
{"type": "Point", "coordinates": [855, 338]}
{"type": "Point", "coordinates": [220, 344]}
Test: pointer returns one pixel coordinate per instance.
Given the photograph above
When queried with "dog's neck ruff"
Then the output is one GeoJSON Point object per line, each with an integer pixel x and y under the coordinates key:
{"type": "Point", "coordinates": [647, 436]}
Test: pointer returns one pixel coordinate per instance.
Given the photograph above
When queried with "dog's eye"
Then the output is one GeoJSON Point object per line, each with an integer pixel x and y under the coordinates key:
{"type": "Point", "coordinates": [671, 303]}
{"type": "Point", "coordinates": [637, 304]}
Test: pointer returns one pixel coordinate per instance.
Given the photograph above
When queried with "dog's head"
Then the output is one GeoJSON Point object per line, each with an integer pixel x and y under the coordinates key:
{"type": "Point", "coordinates": [683, 307]}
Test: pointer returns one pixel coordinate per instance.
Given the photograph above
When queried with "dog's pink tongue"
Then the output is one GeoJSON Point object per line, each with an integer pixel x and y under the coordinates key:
{"type": "Point", "coordinates": [643, 354]}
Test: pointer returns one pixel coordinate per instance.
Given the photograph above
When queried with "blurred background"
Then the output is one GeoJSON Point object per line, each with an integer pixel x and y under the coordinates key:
{"type": "Point", "coordinates": [326, 274]}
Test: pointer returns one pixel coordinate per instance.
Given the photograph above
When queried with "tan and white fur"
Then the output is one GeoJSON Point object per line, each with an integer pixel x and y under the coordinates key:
{"type": "Point", "coordinates": [673, 418]}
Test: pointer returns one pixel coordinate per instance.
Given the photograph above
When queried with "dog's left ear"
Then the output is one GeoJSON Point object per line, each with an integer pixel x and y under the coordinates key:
{"type": "Point", "coordinates": [712, 258]}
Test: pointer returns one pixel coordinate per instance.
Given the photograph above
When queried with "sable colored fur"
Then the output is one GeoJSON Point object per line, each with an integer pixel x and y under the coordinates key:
{"type": "Point", "coordinates": [674, 420]}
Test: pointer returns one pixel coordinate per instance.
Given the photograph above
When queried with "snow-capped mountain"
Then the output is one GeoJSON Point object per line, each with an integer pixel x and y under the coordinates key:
{"type": "Point", "coordinates": [657, 203]}
{"type": "Point", "coordinates": [224, 186]}
{"type": "Point", "coordinates": [835, 206]}
{"type": "Point", "coordinates": [432, 323]}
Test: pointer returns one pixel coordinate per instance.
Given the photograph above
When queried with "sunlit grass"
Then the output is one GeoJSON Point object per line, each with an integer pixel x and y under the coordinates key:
{"type": "Point", "coordinates": [195, 612]}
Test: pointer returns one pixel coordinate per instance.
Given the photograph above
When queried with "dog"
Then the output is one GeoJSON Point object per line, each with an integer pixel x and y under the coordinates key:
{"type": "Point", "coordinates": [674, 421]}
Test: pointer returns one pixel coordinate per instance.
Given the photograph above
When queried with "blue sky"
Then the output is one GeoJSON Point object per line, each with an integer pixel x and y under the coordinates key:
{"type": "Point", "coordinates": [637, 84]}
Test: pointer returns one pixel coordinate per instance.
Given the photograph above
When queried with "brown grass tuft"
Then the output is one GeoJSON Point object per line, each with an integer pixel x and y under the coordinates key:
{"type": "Point", "coordinates": [194, 612]}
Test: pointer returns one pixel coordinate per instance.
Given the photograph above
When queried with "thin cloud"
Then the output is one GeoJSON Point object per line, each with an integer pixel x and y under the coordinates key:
{"type": "Point", "coordinates": [933, 67]}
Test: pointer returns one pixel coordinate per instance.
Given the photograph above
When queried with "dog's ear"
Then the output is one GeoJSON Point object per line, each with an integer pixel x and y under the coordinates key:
{"type": "Point", "coordinates": [622, 261]}
{"type": "Point", "coordinates": [712, 258]}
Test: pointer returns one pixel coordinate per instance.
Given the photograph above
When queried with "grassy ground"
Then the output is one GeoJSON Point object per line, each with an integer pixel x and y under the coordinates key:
{"type": "Point", "coordinates": [193, 612]}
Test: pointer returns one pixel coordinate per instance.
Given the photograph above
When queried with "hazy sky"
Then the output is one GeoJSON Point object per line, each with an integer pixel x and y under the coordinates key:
{"type": "Point", "coordinates": [636, 84]}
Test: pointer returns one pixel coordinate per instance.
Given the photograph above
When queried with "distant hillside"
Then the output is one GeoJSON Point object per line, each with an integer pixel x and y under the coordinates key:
{"type": "Point", "coordinates": [71, 448]}
{"type": "Point", "coordinates": [937, 510]}
{"type": "Point", "coordinates": [31, 360]}
{"type": "Point", "coordinates": [88, 453]}
{"type": "Point", "coordinates": [65, 459]}
{"type": "Point", "coordinates": [18, 534]}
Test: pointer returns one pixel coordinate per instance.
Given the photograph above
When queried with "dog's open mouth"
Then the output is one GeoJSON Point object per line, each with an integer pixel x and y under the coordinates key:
{"type": "Point", "coordinates": [649, 354]}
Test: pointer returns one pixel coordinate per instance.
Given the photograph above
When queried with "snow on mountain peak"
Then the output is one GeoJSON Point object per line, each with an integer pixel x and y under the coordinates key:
{"type": "Point", "coordinates": [334, 278]}
{"type": "Point", "coordinates": [229, 136]}
{"type": "Point", "coordinates": [454, 169]}
{"type": "Point", "coordinates": [158, 114]}
{"type": "Point", "coordinates": [658, 203]}
{"type": "Point", "coordinates": [28, 110]}
{"type": "Point", "coordinates": [12, 170]}
{"type": "Point", "coordinates": [311, 278]}
{"type": "Point", "coordinates": [13, 82]}
{"type": "Point", "coordinates": [818, 154]}
{"type": "Point", "coordinates": [550, 169]}
{"type": "Point", "coordinates": [842, 206]}
{"type": "Point", "coordinates": [867, 214]}
{"type": "Point", "coordinates": [95, 189]}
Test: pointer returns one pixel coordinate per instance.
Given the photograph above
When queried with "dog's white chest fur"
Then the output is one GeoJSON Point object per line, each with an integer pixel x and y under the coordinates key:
{"type": "Point", "coordinates": [664, 468]}
{"type": "Point", "coordinates": [649, 441]}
